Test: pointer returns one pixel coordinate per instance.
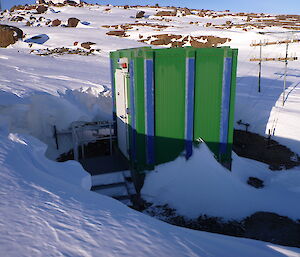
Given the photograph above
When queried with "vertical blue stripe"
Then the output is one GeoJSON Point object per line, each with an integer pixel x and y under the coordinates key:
{"type": "Point", "coordinates": [113, 88]}
{"type": "Point", "coordinates": [112, 76]}
{"type": "Point", "coordinates": [149, 109]}
{"type": "Point", "coordinates": [132, 111]}
{"type": "Point", "coordinates": [189, 106]}
{"type": "Point", "coordinates": [225, 104]}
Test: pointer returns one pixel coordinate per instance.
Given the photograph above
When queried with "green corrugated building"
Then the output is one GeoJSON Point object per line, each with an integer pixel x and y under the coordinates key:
{"type": "Point", "coordinates": [166, 100]}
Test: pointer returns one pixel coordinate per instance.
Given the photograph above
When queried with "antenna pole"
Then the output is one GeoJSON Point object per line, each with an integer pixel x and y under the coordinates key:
{"type": "Point", "coordinates": [259, 64]}
{"type": "Point", "coordinates": [285, 72]}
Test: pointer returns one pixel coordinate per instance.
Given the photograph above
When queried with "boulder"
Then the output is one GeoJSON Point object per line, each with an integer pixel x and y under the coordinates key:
{"type": "Point", "coordinates": [18, 32]}
{"type": "Point", "coordinates": [41, 9]}
{"type": "Point", "coordinates": [9, 35]}
{"type": "Point", "coordinates": [87, 45]}
{"type": "Point", "coordinates": [56, 23]}
{"type": "Point", "coordinates": [73, 22]}
{"type": "Point", "coordinates": [140, 14]}
{"type": "Point", "coordinates": [6, 37]}
{"type": "Point", "coordinates": [255, 182]}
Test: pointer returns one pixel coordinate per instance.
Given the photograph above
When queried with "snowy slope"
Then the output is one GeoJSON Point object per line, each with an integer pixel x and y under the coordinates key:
{"type": "Point", "coordinates": [44, 209]}
{"type": "Point", "coordinates": [43, 212]}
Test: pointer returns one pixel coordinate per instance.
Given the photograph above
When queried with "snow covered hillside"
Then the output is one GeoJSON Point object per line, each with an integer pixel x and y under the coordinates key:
{"type": "Point", "coordinates": [59, 73]}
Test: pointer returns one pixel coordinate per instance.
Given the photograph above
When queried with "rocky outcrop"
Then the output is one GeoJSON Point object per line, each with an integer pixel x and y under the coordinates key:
{"type": "Point", "coordinates": [56, 23]}
{"type": "Point", "coordinates": [118, 33]}
{"type": "Point", "coordinates": [9, 35]}
{"type": "Point", "coordinates": [73, 22]}
{"type": "Point", "coordinates": [140, 15]}
{"type": "Point", "coordinates": [41, 9]}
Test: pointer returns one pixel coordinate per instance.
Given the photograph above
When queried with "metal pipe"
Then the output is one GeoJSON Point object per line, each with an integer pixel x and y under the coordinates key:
{"type": "Point", "coordinates": [285, 71]}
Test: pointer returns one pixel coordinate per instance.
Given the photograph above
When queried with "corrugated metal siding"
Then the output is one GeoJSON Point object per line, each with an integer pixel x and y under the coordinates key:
{"type": "Point", "coordinates": [169, 104]}
{"type": "Point", "coordinates": [208, 94]}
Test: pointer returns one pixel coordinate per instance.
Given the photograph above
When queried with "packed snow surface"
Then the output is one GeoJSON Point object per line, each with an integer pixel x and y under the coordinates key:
{"type": "Point", "coordinates": [45, 206]}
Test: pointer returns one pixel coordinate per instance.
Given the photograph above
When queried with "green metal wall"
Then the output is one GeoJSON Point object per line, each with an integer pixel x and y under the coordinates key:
{"type": "Point", "coordinates": [169, 76]}
{"type": "Point", "coordinates": [170, 101]}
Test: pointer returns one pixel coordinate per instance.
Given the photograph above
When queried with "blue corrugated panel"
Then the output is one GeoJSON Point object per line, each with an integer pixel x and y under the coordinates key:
{"type": "Point", "coordinates": [149, 107]}
{"type": "Point", "coordinates": [189, 106]}
{"type": "Point", "coordinates": [225, 104]}
{"type": "Point", "coordinates": [132, 110]}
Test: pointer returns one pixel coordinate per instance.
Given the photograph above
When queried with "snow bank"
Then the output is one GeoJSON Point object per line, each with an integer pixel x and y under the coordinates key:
{"type": "Point", "coordinates": [37, 115]}
{"type": "Point", "coordinates": [44, 211]}
{"type": "Point", "coordinates": [202, 186]}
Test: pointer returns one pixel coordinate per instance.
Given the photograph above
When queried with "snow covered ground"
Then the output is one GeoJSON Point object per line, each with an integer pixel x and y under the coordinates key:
{"type": "Point", "coordinates": [45, 207]}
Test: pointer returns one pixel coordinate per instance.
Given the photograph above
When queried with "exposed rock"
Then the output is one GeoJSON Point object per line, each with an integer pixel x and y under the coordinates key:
{"type": "Point", "coordinates": [28, 23]}
{"type": "Point", "coordinates": [118, 33]}
{"type": "Point", "coordinates": [165, 13]}
{"type": "Point", "coordinates": [41, 9]}
{"type": "Point", "coordinates": [18, 32]}
{"type": "Point", "coordinates": [6, 37]}
{"type": "Point", "coordinates": [9, 35]}
{"type": "Point", "coordinates": [69, 2]}
{"type": "Point", "coordinates": [255, 182]}
{"type": "Point", "coordinates": [140, 14]}
{"type": "Point", "coordinates": [273, 228]}
{"type": "Point", "coordinates": [41, 1]}
{"type": "Point", "coordinates": [158, 42]}
{"type": "Point", "coordinates": [56, 23]}
{"type": "Point", "coordinates": [75, 43]}
{"type": "Point", "coordinates": [197, 44]}
{"type": "Point", "coordinates": [17, 7]}
{"type": "Point", "coordinates": [73, 22]}
{"type": "Point", "coordinates": [177, 44]}
{"type": "Point", "coordinates": [87, 45]}
{"type": "Point", "coordinates": [17, 18]}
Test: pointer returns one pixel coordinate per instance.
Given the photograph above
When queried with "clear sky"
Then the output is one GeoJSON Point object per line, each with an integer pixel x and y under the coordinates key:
{"type": "Point", "coordinates": [268, 6]}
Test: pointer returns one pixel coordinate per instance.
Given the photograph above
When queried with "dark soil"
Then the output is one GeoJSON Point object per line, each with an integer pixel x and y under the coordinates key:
{"type": "Point", "coordinates": [259, 148]}
{"type": "Point", "coordinates": [264, 226]}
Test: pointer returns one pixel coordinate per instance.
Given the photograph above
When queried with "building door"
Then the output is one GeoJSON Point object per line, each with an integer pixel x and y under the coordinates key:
{"type": "Point", "coordinates": [121, 110]}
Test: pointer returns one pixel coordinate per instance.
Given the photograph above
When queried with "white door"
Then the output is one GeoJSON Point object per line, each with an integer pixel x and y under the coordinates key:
{"type": "Point", "coordinates": [121, 106]}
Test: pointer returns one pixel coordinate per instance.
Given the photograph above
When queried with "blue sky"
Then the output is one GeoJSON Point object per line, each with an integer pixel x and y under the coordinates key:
{"type": "Point", "coordinates": [270, 6]}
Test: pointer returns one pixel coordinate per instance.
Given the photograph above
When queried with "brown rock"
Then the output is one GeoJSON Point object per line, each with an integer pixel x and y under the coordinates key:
{"type": "Point", "coordinates": [75, 43]}
{"type": "Point", "coordinates": [197, 44]}
{"type": "Point", "coordinates": [17, 18]}
{"type": "Point", "coordinates": [118, 33]}
{"type": "Point", "coordinates": [28, 23]}
{"type": "Point", "coordinates": [177, 44]}
{"type": "Point", "coordinates": [41, 1]}
{"type": "Point", "coordinates": [7, 37]}
{"type": "Point", "coordinates": [87, 45]}
{"type": "Point", "coordinates": [18, 32]}
{"type": "Point", "coordinates": [73, 22]}
{"type": "Point", "coordinates": [56, 23]}
{"type": "Point", "coordinates": [165, 13]}
{"type": "Point", "coordinates": [69, 2]}
{"type": "Point", "coordinates": [41, 9]}
{"type": "Point", "coordinates": [140, 15]}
